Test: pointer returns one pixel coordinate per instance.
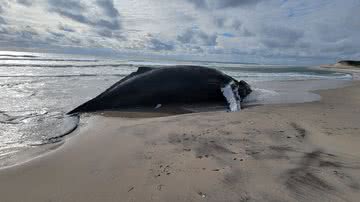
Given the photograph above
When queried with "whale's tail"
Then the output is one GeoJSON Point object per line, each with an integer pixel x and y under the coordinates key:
{"type": "Point", "coordinates": [93, 105]}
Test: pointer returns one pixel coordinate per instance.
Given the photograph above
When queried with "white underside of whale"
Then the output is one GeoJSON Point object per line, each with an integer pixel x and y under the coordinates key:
{"type": "Point", "coordinates": [230, 92]}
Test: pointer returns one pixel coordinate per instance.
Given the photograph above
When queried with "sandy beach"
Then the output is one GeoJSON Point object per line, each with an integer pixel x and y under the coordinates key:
{"type": "Point", "coordinates": [179, 101]}
{"type": "Point", "coordinates": [293, 152]}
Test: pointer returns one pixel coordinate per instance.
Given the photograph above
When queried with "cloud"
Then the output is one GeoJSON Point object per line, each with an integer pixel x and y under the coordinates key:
{"type": "Point", "coordinates": [28, 33]}
{"type": "Point", "coordinates": [105, 33]}
{"type": "Point", "coordinates": [224, 28]}
{"type": "Point", "coordinates": [56, 34]}
{"type": "Point", "coordinates": [232, 26]}
{"type": "Point", "coordinates": [221, 4]}
{"type": "Point", "coordinates": [65, 28]}
{"type": "Point", "coordinates": [70, 5]}
{"type": "Point", "coordinates": [72, 9]}
{"type": "Point", "coordinates": [25, 2]}
{"type": "Point", "coordinates": [157, 45]}
{"type": "Point", "coordinates": [237, 24]}
{"type": "Point", "coordinates": [227, 23]}
{"type": "Point", "coordinates": [108, 7]}
{"type": "Point", "coordinates": [2, 21]}
{"type": "Point", "coordinates": [246, 33]}
{"type": "Point", "coordinates": [81, 12]}
{"type": "Point", "coordinates": [198, 37]}
{"type": "Point", "coordinates": [4, 5]}
{"type": "Point", "coordinates": [220, 22]}
{"type": "Point", "coordinates": [280, 37]}
{"type": "Point", "coordinates": [235, 3]}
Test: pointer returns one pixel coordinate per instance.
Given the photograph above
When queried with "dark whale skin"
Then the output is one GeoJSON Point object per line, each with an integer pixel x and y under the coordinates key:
{"type": "Point", "coordinates": [148, 87]}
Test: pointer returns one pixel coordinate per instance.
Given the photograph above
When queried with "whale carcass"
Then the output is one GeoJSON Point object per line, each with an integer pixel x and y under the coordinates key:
{"type": "Point", "coordinates": [177, 85]}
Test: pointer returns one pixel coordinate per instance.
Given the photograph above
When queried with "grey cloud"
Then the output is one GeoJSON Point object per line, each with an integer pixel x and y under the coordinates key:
{"type": "Point", "coordinates": [76, 17]}
{"type": "Point", "coordinates": [76, 11]}
{"type": "Point", "coordinates": [114, 24]}
{"type": "Point", "coordinates": [196, 49]}
{"type": "Point", "coordinates": [63, 38]}
{"type": "Point", "coordinates": [199, 3]}
{"type": "Point", "coordinates": [71, 5]}
{"type": "Point", "coordinates": [3, 30]}
{"type": "Point", "coordinates": [25, 2]}
{"type": "Point", "coordinates": [69, 8]}
{"type": "Point", "coordinates": [220, 4]}
{"type": "Point", "coordinates": [272, 43]}
{"type": "Point", "coordinates": [224, 22]}
{"type": "Point", "coordinates": [99, 15]}
{"type": "Point", "coordinates": [284, 33]}
{"type": "Point", "coordinates": [245, 27]}
{"type": "Point", "coordinates": [20, 38]}
{"type": "Point", "coordinates": [198, 37]}
{"type": "Point", "coordinates": [108, 7]}
{"type": "Point", "coordinates": [22, 33]}
{"type": "Point", "coordinates": [51, 40]}
{"type": "Point", "coordinates": [74, 40]}
{"type": "Point", "coordinates": [109, 33]}
{"type": "Point", "coordinates": [105, 33]}
{"type": "Point", "coordinates": [219, 21]}
{"type": "Point", "coordinates": [233, 25]}
{"type": "Point", "coordinates": [330, 36]}
{"type": "Point", "coordinates": [343, 47]}
{"type": "Point", "coordinates": [184, 17]}
{"type": "Point", "coordinates": [208, 40]}
{"type": "Point", "coordinates": [27, 34]}
{"type": "Point", "coordinates": [186, 37]}
{"type": "Point", "coordinates": [4, 5]}
{"type": "Point", "coordinates": [280, 37]}
{"type": "Point", "coordinates": [247, 33]}
{"type": "Point", "coordinates": [2, 21]}
{"type": "Point", "coordinates": [56, 34]}
{"type": "Point", "coordinates": [235, 3]}
{"type": "Point", "coordinates": [236, 24]}
{"type": "Point", "coordinates": [65, 28]}
{"type": "Point", "coordinates": [157, 45]}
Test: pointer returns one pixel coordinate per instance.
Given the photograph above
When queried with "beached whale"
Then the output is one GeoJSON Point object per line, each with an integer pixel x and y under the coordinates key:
{"type": "Point", "coordinates": [154, 87]}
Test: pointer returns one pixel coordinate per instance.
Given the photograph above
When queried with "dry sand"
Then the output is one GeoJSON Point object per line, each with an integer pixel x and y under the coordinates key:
{"type": "Point", "coordinates": [298, 152]}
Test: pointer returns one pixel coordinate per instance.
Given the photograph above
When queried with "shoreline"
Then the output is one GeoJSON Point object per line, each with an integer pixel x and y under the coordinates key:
{"type": "Point", "coordinates": [354, 71]}
{"type": "Point", "coordinates": [37, 151]}
{"type": "Point", "coordinates": [286, 152]}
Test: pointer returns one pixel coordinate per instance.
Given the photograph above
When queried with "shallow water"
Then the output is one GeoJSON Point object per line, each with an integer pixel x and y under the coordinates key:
{"type": "Point", "coordinates": [38, 89]}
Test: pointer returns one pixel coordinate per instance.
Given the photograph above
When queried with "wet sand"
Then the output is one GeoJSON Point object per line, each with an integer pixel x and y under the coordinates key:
{"type": "Point", "coordinates": [293, 152]}
{"type": "Point", "coordinates": [355, 71]}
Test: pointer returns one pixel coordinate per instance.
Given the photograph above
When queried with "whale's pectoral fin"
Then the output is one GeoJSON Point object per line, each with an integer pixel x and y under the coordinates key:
{"type": "Point", "coordinates": [230, 92]}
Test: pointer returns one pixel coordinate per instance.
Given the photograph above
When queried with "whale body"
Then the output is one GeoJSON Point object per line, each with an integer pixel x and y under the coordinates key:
{"type": "Point", "coordinates": [154, 87]}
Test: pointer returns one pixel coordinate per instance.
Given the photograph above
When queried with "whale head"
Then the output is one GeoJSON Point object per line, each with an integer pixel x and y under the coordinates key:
{"type": "Point", "coordinates": [244, 89]}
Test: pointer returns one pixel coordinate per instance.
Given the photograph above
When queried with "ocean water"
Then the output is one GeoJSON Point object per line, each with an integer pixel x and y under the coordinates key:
{"type": "Point", "coordinates": [37, 90]}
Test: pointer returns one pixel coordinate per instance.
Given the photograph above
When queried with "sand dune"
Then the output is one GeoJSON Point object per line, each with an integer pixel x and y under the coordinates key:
{"type": "Point", "coordinates": [302, 152]}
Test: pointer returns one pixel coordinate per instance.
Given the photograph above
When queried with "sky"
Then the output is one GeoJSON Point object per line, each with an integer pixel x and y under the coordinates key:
{"type": "Point", "coordinates": [261, 31]}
